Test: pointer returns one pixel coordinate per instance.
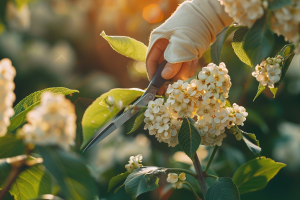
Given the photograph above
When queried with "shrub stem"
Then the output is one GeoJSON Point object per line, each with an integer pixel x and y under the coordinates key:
{"type": "Point", "coordinates": [200, 174]}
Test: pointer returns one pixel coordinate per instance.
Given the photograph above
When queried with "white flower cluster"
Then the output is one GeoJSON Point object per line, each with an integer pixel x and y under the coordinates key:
{"type": "Point", "coordinates": [202, 99]}
{"type": "Point", "coordinates": [269, 71]}
{"type": "Point", "coordinates": [176, 180]}
{"type": "Point", "coordinates": [53, 122]}
{"type": "Point", "coordinates": [244, 12]}
{"type": "Point", "coordinates": [7, 96]}
{"type": "Point", "coordinates": [134, 163]}
{"type": "Point", "coordinates": [160, 123]}
{"type": "Point", "coordinates": [286, 22]}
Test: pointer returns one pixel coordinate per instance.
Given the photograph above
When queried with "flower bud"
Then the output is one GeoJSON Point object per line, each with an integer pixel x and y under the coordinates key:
{"type": "Point", "coordinates": [111, 100]}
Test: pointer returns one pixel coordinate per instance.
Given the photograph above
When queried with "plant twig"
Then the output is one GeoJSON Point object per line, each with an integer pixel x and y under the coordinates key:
{"type": "Point", "coordinates": [182, 170]}
{"type": "Point", "coordinates": [211, 158]}
{"type": "Point", "coordinates": [16, 170]}
{"type": "Point", "coordinates": [211, 176]}
{"type": "Point", "coordinates": [191, 187]}
{"type": "Point", "coordinates": [200, 174]}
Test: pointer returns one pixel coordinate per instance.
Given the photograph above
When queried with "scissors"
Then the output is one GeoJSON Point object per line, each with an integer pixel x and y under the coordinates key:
{"type": "Point", "coordinates": [149, 95]}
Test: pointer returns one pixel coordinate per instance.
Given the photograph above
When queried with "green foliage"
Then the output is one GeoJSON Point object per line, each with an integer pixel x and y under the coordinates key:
{"type": "Point", "coordinates": [286, 50]}
{"type": "Point", "coordinates": [238, 45]}
{"type": "Point", "coordinates": [216, 47]}
{"type": "Point", "coordinates": [11, 146]}
{"type": "Point", "coordinates": [29, 102]}
{"type": "Point", "coordinates": [255, 174]}
{"type": "Point", "coordinates": [3, 6]}
{"type": "Point", "coordinates": [259, 40]}
{"type": "Point", "coordinates": [222, 189]}
{"type": "Point", "coordinates": [250, 140]}
{"type": "Point", "coordinates": [117, 179]}
{"type": "Point", "coordinates": [127, 46]}
{"type": "Point", "coordinates": [143, 179]}
{"type": "Point", "coordinates": [188, 137]}
{"type": "Point", "coordinates": [274, 91]}
{"type": "Point", "coordinates": [32, 182]}
{"type": "Point", "coordinates": [276, 4]}
{"type": "Point", "coordinates": [260, 89]}
{"type": "Point", "coordinates": [70, 171]}
{"type": "Point", "coordinates": [97, 114]}
{"type": "Point", "coordinates": [139, 120]}
{"type": "Point", "coordinates": [285, 66]}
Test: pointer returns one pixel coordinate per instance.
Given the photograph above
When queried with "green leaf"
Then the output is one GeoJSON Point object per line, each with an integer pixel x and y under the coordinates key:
{"type": "Point", "coordinates": [276, 4]}
{"type": "Point", "coordinates": [29, 102]}
{"type": "Point", "coordinates": [286, 50]}
{"type": "Point", "coordinates": [238, 45]}
{"type": "Point", "coordinates": [227, 103]}
{"type": "Point", "coordinates": [97, 114]}
{"type": "Point", "coordinates": [255, 174]}
{"type": "Point", "coordinates": [274, 91]}
{"type": "Point", "coordinates": [10, 146]}
{"type": "Point", "coordinates": [117, 179]}
{"type": "Point", "coordinates": [32, 182]}
{"type": "Point", "coordinates": [250, 140]}
{"type": "Point", "coordinates": [216, 47]}
{"type": "Point", "coordinates": [3, 6]}
{"type": "Point", "coordinates": [70, 172]}
{"type": "Point", "coordinates": [259, 40]}
{"type": "Point", "coordinates": [143, 179]}
{"type": "Point", "coordinates": [260, 89]}
{"type": "Point", "coordinates": [222, 189]}
{"type": "Point", "coordinates": [285, 66]}
{"type": "Point", "coordinates": [127, 46]}
{"type": "Point", "coordinates": [188, 137]}
{"type": "Point", "coordinates": [139, 120]}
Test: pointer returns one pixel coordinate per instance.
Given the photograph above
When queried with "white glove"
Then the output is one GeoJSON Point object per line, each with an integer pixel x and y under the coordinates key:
{"type": "Point", "coordinates": [190, 30]}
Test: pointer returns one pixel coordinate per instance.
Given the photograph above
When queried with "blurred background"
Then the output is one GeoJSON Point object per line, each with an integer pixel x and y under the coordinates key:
{"type": "Point", "coordinates": [57, 43]}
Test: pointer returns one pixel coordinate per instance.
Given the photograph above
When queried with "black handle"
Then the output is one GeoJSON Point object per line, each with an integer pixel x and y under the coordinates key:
{"type": "Point", "coordinates": [157, 80]}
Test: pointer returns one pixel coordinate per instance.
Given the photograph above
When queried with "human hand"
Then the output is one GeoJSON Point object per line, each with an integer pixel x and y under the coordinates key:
{"type": "Point", "coordinates": [172, 71]}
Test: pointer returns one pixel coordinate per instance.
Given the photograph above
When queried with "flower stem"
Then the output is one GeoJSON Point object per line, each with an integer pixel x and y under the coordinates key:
{"type": "Point", "coordinates": [16, 170]}
{"type": "Point", "coordinates": [191, 187]}
{"type": "Point", "coordinates": [211, 176]}
{"type": "Point", "coordinates": [182, 170]}
{"type": "Point", "coordinates": [211, 158]}
{"type": "Point", "coordinates": [200, 174]}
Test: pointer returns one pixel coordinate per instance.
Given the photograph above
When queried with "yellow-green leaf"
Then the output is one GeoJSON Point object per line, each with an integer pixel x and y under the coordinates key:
{"type": "Point", "coordinates": [127, 46]}
{"type": "Point", "coordinates": [255, 174]}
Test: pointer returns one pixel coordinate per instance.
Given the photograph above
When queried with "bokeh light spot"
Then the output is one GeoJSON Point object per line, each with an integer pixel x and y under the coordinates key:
{"type": "Point", "coordinates": [153, 13]}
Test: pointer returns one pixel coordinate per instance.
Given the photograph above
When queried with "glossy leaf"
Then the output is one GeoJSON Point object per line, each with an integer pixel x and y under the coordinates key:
{"type": "Point", "coordinates": [10, 146]}
{"type": "Point", "coordinates": [32, 182]}
{"type": "Point", "coordinates": [238, 45]}
{"type": "Point", "coordinates": [259, 40]}
{"type": "Point", "coordinates": [143, 180]}
{"type": "Point", "coordinates": [255, 174]}
{"type": "Point", "coordinates": [286, 50]}
{"type": "Point", "coordinates": [216, 47]}
{"type": "Point", "coordinates": [274, 91]}
{"type": "Point", "coordinates": [97, 115]}
{"type": "Point", "coordinates": [127, 46]}
{"type": "Point", "coordinates": [116, 180]}
{"type": "Point", "coordinates": [285, 66]}
{"type": "Point", "coordinates": [260, 89]}
{"type": "Point", "coordinates": [139, 120]}
{"type": "Point", "coordinates": [250, 140]}
{"type": "Point", "coordinates": [222, 189]}
{"type": "Point", "coordinates": [277, 4]}
{"type": "Point", "coordinates": [70, 171]}
{"type": "Point", "coordinates": [29, 102]}
{"type": "Point", "coordinates": [189, 137]}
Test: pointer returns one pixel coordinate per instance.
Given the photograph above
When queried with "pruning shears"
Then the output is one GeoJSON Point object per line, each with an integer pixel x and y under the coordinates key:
{"type": "Point", "coordinates": [149, 95]}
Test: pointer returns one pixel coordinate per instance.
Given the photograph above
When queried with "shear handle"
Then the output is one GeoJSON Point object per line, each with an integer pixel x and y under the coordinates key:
{"type": "Point", "coordinates": [158, 80]}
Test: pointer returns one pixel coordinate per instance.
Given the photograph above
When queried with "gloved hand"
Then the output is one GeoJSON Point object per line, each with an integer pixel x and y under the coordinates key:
{"type": "Point", "coordinates": [184, 37]}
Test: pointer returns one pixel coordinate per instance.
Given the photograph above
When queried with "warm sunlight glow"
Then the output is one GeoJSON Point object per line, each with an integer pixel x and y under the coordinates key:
{"type": "Point", "coordinates": [153, 13]}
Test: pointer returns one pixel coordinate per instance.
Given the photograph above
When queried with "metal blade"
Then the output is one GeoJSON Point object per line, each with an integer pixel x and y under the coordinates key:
{"type": "Point", "coordinates": [142, 101]}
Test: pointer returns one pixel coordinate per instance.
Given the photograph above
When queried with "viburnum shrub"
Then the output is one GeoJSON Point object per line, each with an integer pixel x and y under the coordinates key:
{"type": "Point", "coordinates": [38, 135]}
